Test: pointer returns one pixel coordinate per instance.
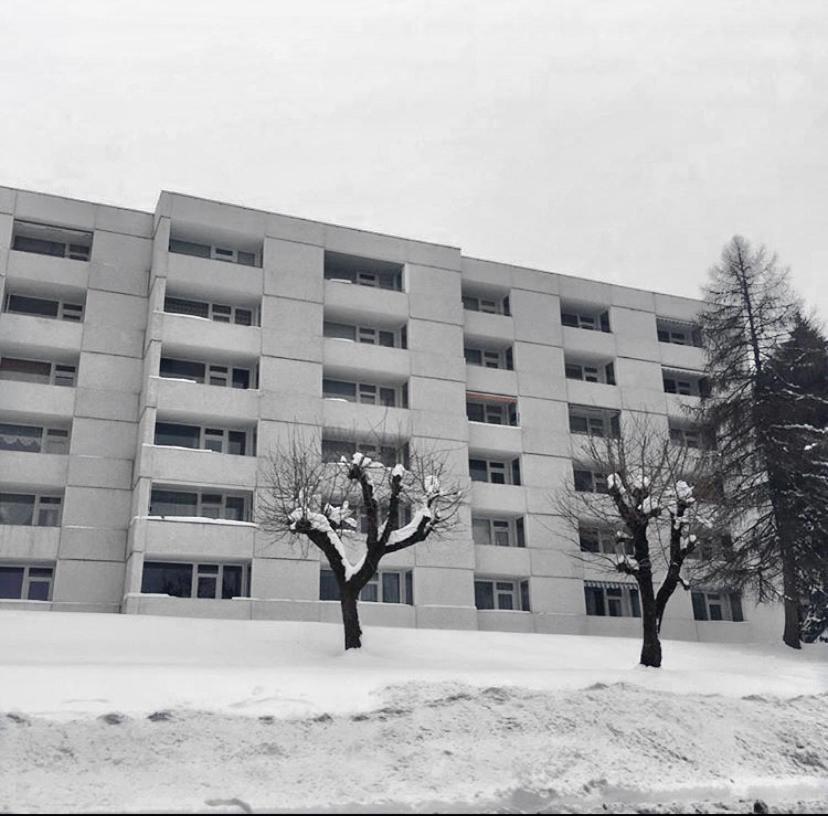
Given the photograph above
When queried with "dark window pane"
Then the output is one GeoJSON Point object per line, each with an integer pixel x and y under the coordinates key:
{"type": "Point", "coordinates": [189, 248]}
{"type": "Point", "coordinates": [569, 319]}
{"type": "Point", "coordinates": [167, 579]}
{"type": "Point", "coordinates": [391, 587]}
{"type": "Point", "coordinates": [244, 317]}
{"type": "Point", "coordinates": [524, 596]}
{"type": "Point", "coordinates": [33, 306]}
{"type": "Point", "coordinates": [409, 588]}
{"type": "Point", "coordinates": [594, 600]}
{"type": "Point", "coordinates": [186, 307]}
{"type": "Point", "coordinates": [173, 503]}
{"type": "Point", "coordinates": [583, 481]}
{"type": "Point", "coordinates": [370, 593]}
{"type": "Point", "coordinates": [699, 606]}
{"type": "Point", "coordinates": [241, 378]}
{"type": "Point", "coordinates": [478, 470]}
{"type": "Point", "coordinates": [236, 442]}
{"type": "Point", "coordinates": [471, 303]}
{"type": "Point", "coordinates": [24, 438]}
{"type": "Point", "coordinates": [484, 595]}
{"type": "Point", "coordinates": [25, 370]}
{"type": "Point", "coordinates": [183, 369]}
{"type": "Point", "coordinates": [736, 607]}
{"type": "Point", "coordinates": [234, 508]}
{"type": "Point", "coordinates": [38, 590]}
{"type": "Point", "coordinates": [388, 397]}
{"type": "Point", "coordinates": [231, 584]}
{"type": "Point", "coordinates": [41, 247]}
{"type": "Point", "coordinates": [183, 436]}
{"type": "Point", "coordinates": [11, 582]}
{"type": "Point", "coordinates": [246, 258]}
{"type": "Point", "coordinates": [16, 508]}
{"type": "Point", "coordinates": [328, 587]}
{"type": "Point", "coordinates": [573, 372]}
{"type": "Point", "coordinates": [635, 603]}
{"type": "Point", "coordinates": [337, 388]}
{"type": "Point", "coordinates": [206, 586]}
{"type": "Point", "coordinates": [475, 412]}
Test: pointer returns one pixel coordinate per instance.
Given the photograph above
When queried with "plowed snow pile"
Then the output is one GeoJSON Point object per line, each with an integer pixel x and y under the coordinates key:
{"type": "Point", "coordinates": [129, 713]}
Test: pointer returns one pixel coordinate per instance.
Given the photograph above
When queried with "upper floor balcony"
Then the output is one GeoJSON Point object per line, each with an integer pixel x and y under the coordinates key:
{"type": "Point", "coordinates": [198, 466]}
{"type": "Point", "coordinates": [189, 336]}
{"type": "Point", "coordinates": [32, 336]}
{"type": "Point", "coordinates": [365, 303]}
{"type": "Point", "coordinates": [189, 401]}
{"type": "Point", "coordinates": [213, 279]}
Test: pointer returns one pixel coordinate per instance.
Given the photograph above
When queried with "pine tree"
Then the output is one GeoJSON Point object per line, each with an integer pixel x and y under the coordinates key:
{"type": "Point", "coordinates": [749, 315]}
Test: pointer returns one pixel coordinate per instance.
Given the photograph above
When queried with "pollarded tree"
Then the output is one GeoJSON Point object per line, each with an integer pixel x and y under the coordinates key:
{"type": "Point", "coordinates": [648, 478]}
{"type": "Point", "coordinates": [302, 496]}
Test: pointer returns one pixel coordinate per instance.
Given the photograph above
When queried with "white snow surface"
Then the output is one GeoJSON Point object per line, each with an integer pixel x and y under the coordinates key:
{"type": "Point", "coordinates": [275, 715]}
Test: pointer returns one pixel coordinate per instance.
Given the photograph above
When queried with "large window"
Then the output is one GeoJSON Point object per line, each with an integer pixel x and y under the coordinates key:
{"type": "Point", "coordinates": [717, 605]}
{"type": "Point", "coordinates": [30, 510]}
{"type": "Point", "coordinates": [40, 307]}
{"type": "Point", "coordinates": [387, 586]}
{"type": "Point", "coordinates": [365, 393]}
{"type": "Point", "coordinates": [217, 253]}
{"type": "Point", "coordinates": [502, 593]}
{"type": "Point", "coordinates": [606, 599]}
{"type": "Point", "coordinates": [46, 239]}
{"type": "Point", "coordinates": [37, 371]}
{"type": "Point", "coordinates": [206, 373]}
{"type": "Point", "coordinates": [589, 481]}
{"type": "Point", "coordinates": [220, 440]}
{"type": "Point", "coordinates": [594, 421]}
{"type": "Point", "coordinates": [494, 471]}
{"type": "Point", "coordinates": [488, 358]}
{"type": "Point", "coordinates": [218, 312]}
{"type": "Point", "coordinates": [491, 409]}
{"type": "Point", "coordinates": [216, 581]}
{"type": "Point", "coordinates": [490, 304]}
{"type": "Point", "coordinates": [596, 539]}
{"type": "Point", "coordinates": [583, 317]}
{"type": "Point", "coordinates": [200, 504]}
{"type": "Point", "coordinates": [679, 333]}
{"type": "Point", "coordinates": [33, 438]}
{"type": "Point", "coordinates": [590, 372]}
{"type": "Point", "coordinates": [711, 546]}
{"type": "Point", "coordinates": [498, 532]}
{"type": "Point", "coordinates": [363, 271]}
{"type": "Point", "coordinates": [26, 582]}
{"type": "Point", "coordinates": [392, 338]}
{"type": "Point", "coordinates": [334, 449]}
{"type": "Point", "coordinates": [686, 384]}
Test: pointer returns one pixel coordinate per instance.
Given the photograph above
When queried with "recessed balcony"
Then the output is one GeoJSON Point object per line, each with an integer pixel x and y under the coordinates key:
{"type": "Point", "coordinates": [195, 402]}
{"type": "Point", "coordinates": [29, 336]}
{"type": "Point", "coordinates": [34, 470]}
{"type": "Point", "coordinates": [361, 360]}
{"type": "Point", "coordinates": [36, 400]}
{"type": "Point", "coordinates": [48, 270]}
{"type": "Point", "coordinates": [214, 279]}
{"type": "Point", "coordinates": [365, 303]}
{"type": "Point", "coordinates": [202, 540]}
{"type": "Point", "coordinates": [190, 336]}
{"type": "Point", "coordinates": [494, 327]}
{"type": "Point", "coordinates": [197, 466]}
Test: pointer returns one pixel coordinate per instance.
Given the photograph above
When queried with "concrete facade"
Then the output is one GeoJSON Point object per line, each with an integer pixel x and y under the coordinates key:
{"type": "Point", "coordinates": [261, 280]}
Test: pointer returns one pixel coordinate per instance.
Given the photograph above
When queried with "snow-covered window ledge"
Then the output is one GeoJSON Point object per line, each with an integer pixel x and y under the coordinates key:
{"type": "Point", "coordinates": [201, 520]}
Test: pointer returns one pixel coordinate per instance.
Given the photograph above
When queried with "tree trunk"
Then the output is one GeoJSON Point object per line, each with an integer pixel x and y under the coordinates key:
{"type": "Point", "coordinates": [350, 619]}
{"type": "Point", "coordinates": [791, 633]}
{"type": "Point", "coordinates": [666, 592]}
{"type": "Point", "coordinates": [651, 645]}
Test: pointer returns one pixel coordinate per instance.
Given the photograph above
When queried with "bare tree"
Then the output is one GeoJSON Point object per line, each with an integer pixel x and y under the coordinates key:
{"type": "Point", "coordinates": [302, 496]}
{"type": "Point", "coordinates": [647, 478]}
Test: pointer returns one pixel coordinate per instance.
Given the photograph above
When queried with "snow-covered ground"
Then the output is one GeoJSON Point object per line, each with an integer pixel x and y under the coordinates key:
{"type": "Point", "coordinates": [134, 712]}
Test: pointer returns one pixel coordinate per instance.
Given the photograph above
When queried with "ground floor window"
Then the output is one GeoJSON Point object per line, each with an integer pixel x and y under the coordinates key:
{"type": "Point", "coordinates": [187, 580]}
{"type": "Point", "coordinates": [719, 605]}
{"type": "Point", "coordinates": [612, 600]}
{"type": "Point", "coordinates": [29, 582]}
{"type": "Point", "coordinates": [502, 593]}
{"type": "Point", "coordinates": [387, 586]}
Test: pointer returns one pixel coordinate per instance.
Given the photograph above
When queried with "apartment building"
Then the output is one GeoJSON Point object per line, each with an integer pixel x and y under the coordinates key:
{"type": "Point", "coordinates": [150, 361]}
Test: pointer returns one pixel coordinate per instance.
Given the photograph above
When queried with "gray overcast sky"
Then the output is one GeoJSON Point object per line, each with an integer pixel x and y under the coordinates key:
{"type": "Point", "coordinates": [623, 141]}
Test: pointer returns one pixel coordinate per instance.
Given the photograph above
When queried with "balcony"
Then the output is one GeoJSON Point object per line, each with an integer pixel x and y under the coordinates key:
{"type": "Point", "coordinates": [48, 270]}
{"type": "Point", "coordinates": [589, 343]}
{"type": "Point", "coordinates": [29, 336]}
{"type": "Point", "coordinates": [27, 543]}
{"type": "Point", "coordinates": [497, 498]}
{"type": "Point", "coordinates": [496, 327]}
{"type": "Point", "coordinates": [194, 402]}
{"type": "Point", "coordinates": [494, 440]}
{"type": "Point", "coordinates": [593, 394]}
{"type": "Point", "coordinates": [685, 357]}
{"type": "Point", "coordinates": [364, 303]}
{"type": "Point", "coordinates": [205, 540]}
{"type": "Point", "coordinates": [358, 360]}
{"type": "Point", "coordinates": [36, 401]}
{"type": "Point", "coordinates": [491, 380]}
{"type": "Point", "coordinates": [190, 336]}
{"type": "Point", "coordinates": [366, 419]}
{"type": "Point", "coordinates": [34, 470]}
{"type": "Point", "coordinates": [214, 279]}
{"type": "Point", "coordinates": [198, 466]}
{"type": "Point", "coordinates": [510, 562]}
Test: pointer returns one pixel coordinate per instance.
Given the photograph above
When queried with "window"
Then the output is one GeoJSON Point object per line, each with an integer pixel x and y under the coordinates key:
{"type": "Point", "coordinates": [580, 319]}
{"type": "Point", "coordinates": [596, 373]}
{"type": "Point", "coordinates": [720, 605]}
{"type": "Point", "coordinates": [209, 373]}
{"type": "Point", "coordinates": [386, 586]}
{"type": "Point", "coordinates": [679, 333]}
{"type": "Point", "coordinates": [30, 582]}
{"type": "Point", "coordinates": [366, 393]}
{"type": "Point", "coordinates": [200, 504]}
{"type": "Point", "coordinates": [39, 307]}
{"type": "Point", "coordinates": [363, 271]}
{"type": "Point", "coordinates": [502, 593]}
{"type": "Point", "coordinates": [585, 420]}
{"type": "Point", "coordinates": [33, 439]}
{"type": "Point", "coordinates": [498, 532]}
{"type": "Point", "coordinates": [489, 358]}
{"type": "Point", "coordinates": [217, 581]}
{"type": "Point", "coordinates": [606, 599]}
{"type": "Point", "coordinates": [45, 239]}
{"type": "Point", "coordinates": [489, 304]}
{"type": "Point", "coordinates": [334, 449]}
{"type": "Point", "coordinates": [29, 510]}
{"type": "Point", "coordinates": [220, 313]}
{"type": "Point", "coordinates": [220, 440]}
{"type": "Point", "coordinates": [364, 334]}
{"type": "Point", "coordinates": [494, 472]}
{"type": "Point", "coordinates": [588, 481]}
{"type": "Point", "coordinates": [596, 539]}
{"type": "Point", "coordinates": [37, 371]}
{"type": "Point", "coordinates": [686, 385]}
{"type": "Point", "coordinates": [710, 546]}
{"type": "Point", "coordinates": [492, 409]}
{"type": "Point", "coordinates": [238, 256]}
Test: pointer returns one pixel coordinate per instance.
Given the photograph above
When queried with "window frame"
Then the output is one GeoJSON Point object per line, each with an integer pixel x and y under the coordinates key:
{"type": "Point", "coordinates": [366, 393]}
{"type": "Point", "coordinates": [217, 375]}
{"type": "Point", "coordinates": [597, 480]}
{"type": "Point", "coordinates": [54, 376]}
{"type": "Point", "coordinates": [27, 579]}
{"type": "Point", "coordinates": [215, 252]}
{"type": "Point", "coordinates": [513, 527]}
{"type": "Point", "coordinates": [43, 437]}
{"type": "Point", "coordinates": [196, 567]}
{"type": "Point", "coordinates": [376, 583]}
{"type": "Point", "coordinates": [517, 592]}
{"type": "Point", "coordinates": [44, 505]}
{"type": "Point", "coordinates": [623, 597]}
{"type": "Point", "coordinates": [64, 310]}
{"type": "Point", "coordinates": [200, 493]}
{"type": "Point", "coordinates": [211, 311]}
{"type": "Point", "coordinates": [498, 467]}
{"type": "Point", "coordinates": [610, 421]}
{"type": "Point", "coordinates": [76, 244]}
{"type": "Point", "coordinates": [203, 431]}
{"type": "Point", "coordinates": [497, 305]}
{"type": "Point", "coordinates": [727, 603]}
{"type": "Point", "coordinates": [605, 538]}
